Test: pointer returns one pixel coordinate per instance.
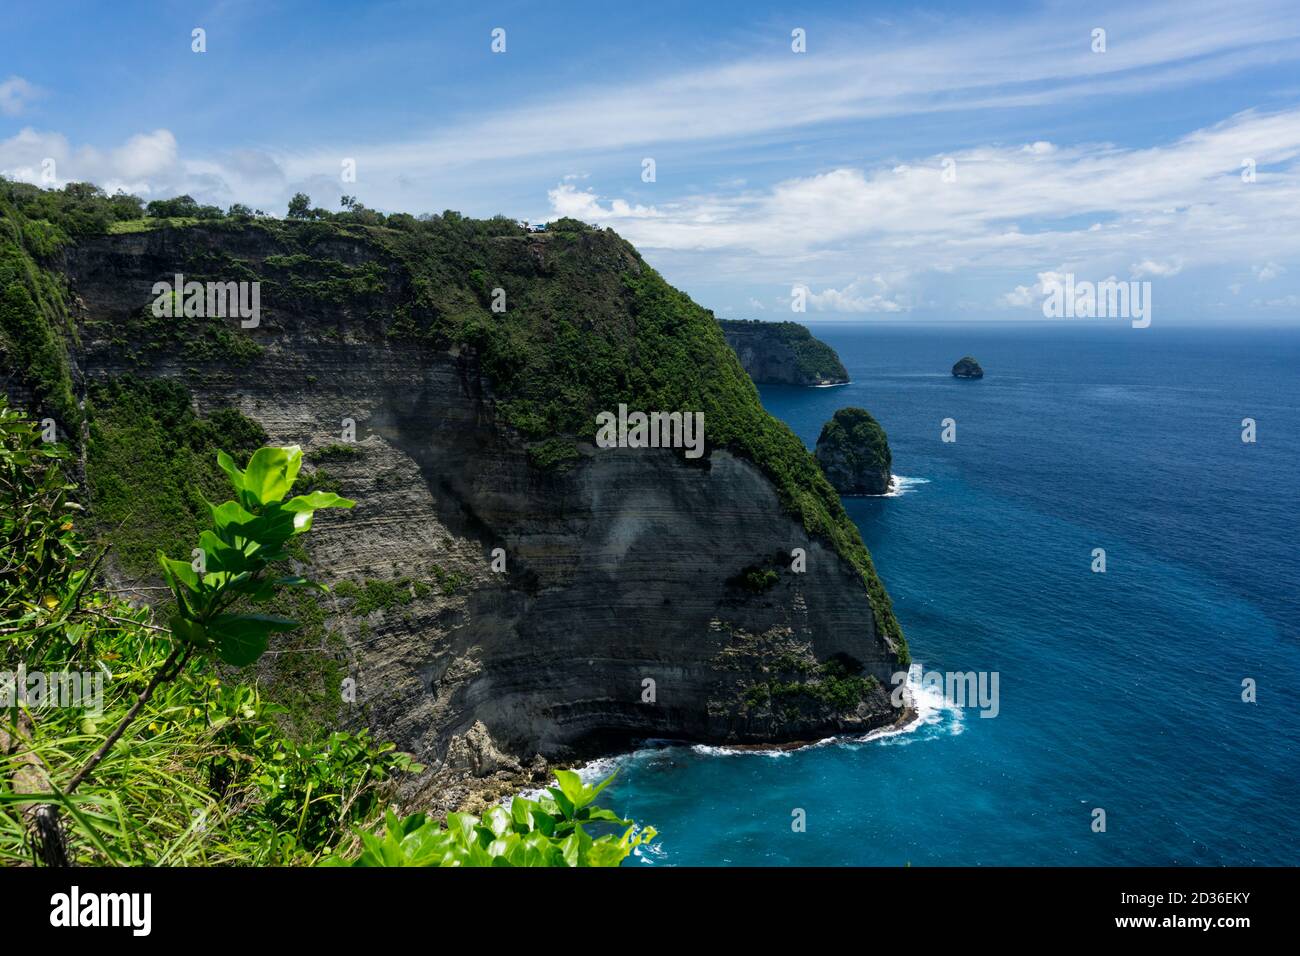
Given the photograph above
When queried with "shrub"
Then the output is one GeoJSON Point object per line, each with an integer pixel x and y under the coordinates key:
{"type": "Point", "coordinates": [549, 831]}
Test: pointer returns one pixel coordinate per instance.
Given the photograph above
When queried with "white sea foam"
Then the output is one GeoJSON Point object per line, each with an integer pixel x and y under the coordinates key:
{"type": "Point", "coordinates": [930, 709]}
{"type": "Point", "coordinates": [900, 485]}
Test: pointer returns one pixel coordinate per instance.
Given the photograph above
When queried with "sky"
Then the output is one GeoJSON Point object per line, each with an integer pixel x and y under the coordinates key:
{"type": "Point", "coordinates": [915, 162]}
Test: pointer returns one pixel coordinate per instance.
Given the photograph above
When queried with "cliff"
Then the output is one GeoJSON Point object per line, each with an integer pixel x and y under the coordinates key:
{"type": "Point", "coordinates": [474, 432]}
{"type": "Point", "coordinates": [782, 353]}
{"type": "Point", "coordinates": [854, 453]}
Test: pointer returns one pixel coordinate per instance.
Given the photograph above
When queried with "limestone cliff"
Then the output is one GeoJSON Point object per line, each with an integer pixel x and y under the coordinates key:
{"type": "Point", "coordinates": [627, 607]}
{"type": "Point", "coordinates": [783, 353]}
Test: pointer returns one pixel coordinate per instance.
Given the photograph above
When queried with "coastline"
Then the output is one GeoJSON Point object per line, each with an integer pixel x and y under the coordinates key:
{"type": "Point", "coordinates": [478, 794]}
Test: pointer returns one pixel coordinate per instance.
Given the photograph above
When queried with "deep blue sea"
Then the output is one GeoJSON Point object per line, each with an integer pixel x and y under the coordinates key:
{"type": "Point", "coordinates": [1120, 691]}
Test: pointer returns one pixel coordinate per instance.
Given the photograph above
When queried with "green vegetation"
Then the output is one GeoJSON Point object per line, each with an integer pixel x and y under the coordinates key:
{"type": "Point", "coordinates": [142, 335]}
{"type": "Point", "coordinates": [145, 225]}
{"type": "Point", "coordinates": [145, 435]}
{"type": "Point", "coordinates": [34, 324]}
{"type": "Point", "coordinates": [448, 581]}
{"type": "Point", "coordinates": [337, 452]}
{"type": "Point", "coordinates": [549, 831]}
{"type": "Point", "coordinates": [836, 683]}
{"type": "Point", "coordinates": [377, 595]}
{"type": "Point", "coordinates": [756, 579]}
{"type": "Point", "coordinates": [386, 595]}
{"type": "Point", "coordinates": [553, 454]}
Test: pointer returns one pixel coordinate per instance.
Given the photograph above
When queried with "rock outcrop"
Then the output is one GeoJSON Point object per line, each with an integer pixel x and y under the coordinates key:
{"type": "Point", "coordinates": [783, 353]}
{"type": "Point", "coordinates": [854, 452]}
{"type": "Point", "coordinates": [967, 367]}
{"type": "Point", "coordinates": [549, 604]}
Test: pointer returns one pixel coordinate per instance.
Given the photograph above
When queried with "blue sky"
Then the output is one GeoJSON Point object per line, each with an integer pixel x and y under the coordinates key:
{"type": "Point", "coordinates": [773, 169]}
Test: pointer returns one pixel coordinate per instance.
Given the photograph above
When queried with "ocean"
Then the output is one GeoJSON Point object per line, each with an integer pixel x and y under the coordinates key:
{"type": "Point", "coordinates": [1119, 691]}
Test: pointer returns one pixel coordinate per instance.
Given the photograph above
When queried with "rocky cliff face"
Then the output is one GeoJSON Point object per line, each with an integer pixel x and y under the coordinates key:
{"type": "Point", "coordinates": [623, 611]}
{"type": "Point", "coordinates": [783, 353]}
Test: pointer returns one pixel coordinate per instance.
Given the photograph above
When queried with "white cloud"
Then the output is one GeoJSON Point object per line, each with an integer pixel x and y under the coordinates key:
{"type": "Point", "coordinates": [1009, 208]}
{"type": "Point", "coordinates": [1269, 270]}
{"type": "Point", "coordinates": [1019, 297]}
{"type": "Point", "coordinates": [148, 164]}
{"type": "Point", "coordinates": [1150, 267]}
{"type": "Point", "coordinates": [16, 94]}
{"type": "Point", "coordinates": [145, 155]}
{"type": "Point", "coordinates": [568, 201]}
{"type": "Point", "coordinates": [864, 294]}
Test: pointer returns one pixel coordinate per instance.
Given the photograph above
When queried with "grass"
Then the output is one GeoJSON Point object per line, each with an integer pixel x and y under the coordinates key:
{"type": "Point", "coordinates": [149, 224]}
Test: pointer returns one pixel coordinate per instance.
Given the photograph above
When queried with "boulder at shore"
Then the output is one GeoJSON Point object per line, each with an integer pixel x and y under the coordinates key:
{"type": "Point", "coordinates": [967, 368]}
{"type": "Point", "coordinates": [854, 453]}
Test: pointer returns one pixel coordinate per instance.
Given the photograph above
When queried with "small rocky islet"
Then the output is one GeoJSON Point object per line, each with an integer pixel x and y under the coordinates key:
{"type": "Point", "coordinates": [967, 367]}
{"type": "Point", "coordinates": [853, 451]}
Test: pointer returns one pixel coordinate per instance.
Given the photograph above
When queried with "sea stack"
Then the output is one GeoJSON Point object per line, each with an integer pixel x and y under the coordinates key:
{"type": "Point", "coordinates": [854, 453]}
{"type": "Point", "coordinates": [967, 368]}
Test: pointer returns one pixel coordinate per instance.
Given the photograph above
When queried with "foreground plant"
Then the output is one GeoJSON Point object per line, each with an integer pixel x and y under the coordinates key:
{"type": "Point", "coordinates": [248, 536]}
{"type": "Point", "coordinates": [205, 772]}
{"type": "Point", "coordinates": [548, 831]}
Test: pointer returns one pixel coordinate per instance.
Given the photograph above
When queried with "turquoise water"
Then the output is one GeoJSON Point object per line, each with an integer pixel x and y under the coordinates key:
{"type": "Point", "coordinates": [1119, 690]}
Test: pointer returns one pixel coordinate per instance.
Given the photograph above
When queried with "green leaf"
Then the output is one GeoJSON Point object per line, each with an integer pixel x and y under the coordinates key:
{"type": "Point", "coordinates": [220, 556]}
{"type": "Point", "coordinates": [241, 638]}
{"type": "Point", "coordinates": [230, 520]}
{"type": "Point", "coordinates": [498, 821]}
{"type": "Point", "coordinates": [572, 790]}
{"type": "Point", "coordinates": [271, 473]}
{"type": "Point", "coordinates": [180, 572]}
{"type": "Point", "coordinates": [607, 852]}
{"type": "Point", "coordinates": [230, 468]}
{"type": "Point", "coordinates": [316, 501]}
{"type": "Point", "coordinates": [189, 632]}
{"type": "Point", "coordinates": [594, 814]}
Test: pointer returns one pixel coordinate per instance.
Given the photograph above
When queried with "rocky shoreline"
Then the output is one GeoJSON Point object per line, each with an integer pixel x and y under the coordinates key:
{"type": "Point", "coordinates": [460, 791]}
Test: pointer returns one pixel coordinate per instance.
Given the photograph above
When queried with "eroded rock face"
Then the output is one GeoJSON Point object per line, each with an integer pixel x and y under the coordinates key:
{"type": "Point", "coordinates": [854, 453]}
{"type": "Point", "coordinates": [782, 353]}
{"type": "Point", "coordinates": [967, 367]}
{"type": "Point", "coordinates": [616, 618]}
